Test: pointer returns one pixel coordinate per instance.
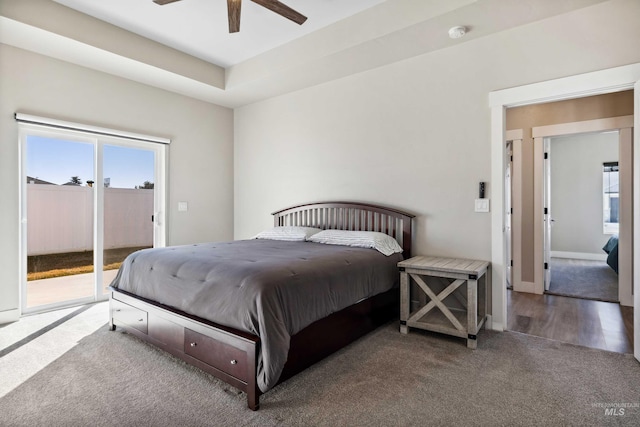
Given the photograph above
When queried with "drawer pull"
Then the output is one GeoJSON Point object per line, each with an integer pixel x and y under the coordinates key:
{"type": "Point", "coordinates": [234, 362]}
{"type": "Point", "coordinates": [118, 310]}
{"type": "Point", "coordinates": [140, 320]}
{"type": "Point", "coordinates": [193, 344]}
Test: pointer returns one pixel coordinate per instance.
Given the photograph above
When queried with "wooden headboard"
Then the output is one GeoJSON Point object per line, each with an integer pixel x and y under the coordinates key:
{"type": "Point", "coordinates": [350, 216]}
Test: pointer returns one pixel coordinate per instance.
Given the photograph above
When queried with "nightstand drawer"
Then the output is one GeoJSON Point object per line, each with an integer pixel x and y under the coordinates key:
{"type": "Point", "coordinates": [131, 316]}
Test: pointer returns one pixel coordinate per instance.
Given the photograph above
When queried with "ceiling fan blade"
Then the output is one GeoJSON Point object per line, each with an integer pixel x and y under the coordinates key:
{"type": "Point", "coordinates": [283, 10]}
{"type": "Point", "coordinates": [163, 2]}
{"type": "Point", "coordinates": [233, 9]}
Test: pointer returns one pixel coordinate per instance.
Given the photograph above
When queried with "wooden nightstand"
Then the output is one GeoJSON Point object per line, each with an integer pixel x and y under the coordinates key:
{"type": "Point", "coordinates": [455, 273]}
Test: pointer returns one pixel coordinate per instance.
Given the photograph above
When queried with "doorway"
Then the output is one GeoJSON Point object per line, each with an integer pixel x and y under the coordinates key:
{"type": "Point", "coordinates": [612, 80]}
{"type": "Point", "coordinates": [88, 200]}
{"type": "Point", "coordinates": [581, 197]}
{"type": "Point", "coordinates": [576, 154]}
{"type": "Point", "coordinates": [513, 178]}
{"type": "Point", "coordinates": [582, 226]}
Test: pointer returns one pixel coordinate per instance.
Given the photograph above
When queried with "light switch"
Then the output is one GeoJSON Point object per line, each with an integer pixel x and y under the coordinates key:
{"type": "Point", "coordinates": [482, 205]}
{"type": "Point", "coordinates": [183, 207]}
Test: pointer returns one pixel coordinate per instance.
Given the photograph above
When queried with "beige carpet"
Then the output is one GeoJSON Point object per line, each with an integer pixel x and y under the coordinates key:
{"type": "Point", "coordinates": [384, 379]}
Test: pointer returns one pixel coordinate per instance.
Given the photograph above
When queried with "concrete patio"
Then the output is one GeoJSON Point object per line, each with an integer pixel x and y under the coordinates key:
{"type": "Point", "coordinates": [65, 288]}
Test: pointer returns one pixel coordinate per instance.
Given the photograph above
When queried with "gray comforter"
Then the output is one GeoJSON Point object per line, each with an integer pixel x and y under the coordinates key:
{"type": "Point", "coordinates": [269, 288]}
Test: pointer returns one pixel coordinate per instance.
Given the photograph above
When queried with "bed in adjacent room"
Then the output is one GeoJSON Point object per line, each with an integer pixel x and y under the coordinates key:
{"type": "Point", "coordinates": [255, 312]}
{"type": "Point", "coordinates": [611, 248]}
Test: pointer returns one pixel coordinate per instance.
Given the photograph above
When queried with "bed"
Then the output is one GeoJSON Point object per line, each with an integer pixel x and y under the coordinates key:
{"type": "Point", "coordinates": [243, 350]}
{"type": "Point", "coordinates": [611, 248]}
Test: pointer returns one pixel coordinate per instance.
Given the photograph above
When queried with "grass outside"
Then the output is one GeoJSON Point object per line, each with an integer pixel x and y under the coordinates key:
{"type": "Point", "coordinates": [71, 263]}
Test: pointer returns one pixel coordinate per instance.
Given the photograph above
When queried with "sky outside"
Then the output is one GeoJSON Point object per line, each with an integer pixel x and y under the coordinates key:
{"type": "Point", "coordinates": [57, 160]}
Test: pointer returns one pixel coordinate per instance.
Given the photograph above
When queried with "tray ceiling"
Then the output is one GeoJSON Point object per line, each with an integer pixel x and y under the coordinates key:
{"type": "Point", "coordinates": [199, 27]}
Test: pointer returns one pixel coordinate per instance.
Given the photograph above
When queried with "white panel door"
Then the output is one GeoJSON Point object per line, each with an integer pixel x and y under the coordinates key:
{"type": "Point", "coordinates": [508, 213]}
{"type": "Point", "coordinates": [636, 228]}
{"type": "Point", "coordinates": [548, 220]}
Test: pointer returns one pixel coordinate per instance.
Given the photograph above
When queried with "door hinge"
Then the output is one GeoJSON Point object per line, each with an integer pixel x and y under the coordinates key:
{"type": "Point", "coordinates": [546, 156]}
{"type": "Point", "coordinates": [152, 216]}
{"type": "Point", "coordinates": [546, 211]}
{"type": "Point", "coordinates": [546, 265]}
{"type": "Point", "coordinates": [511, 211]}
{"type": "Point", "coordinates": [511, 263]}
{"type": "Point", "coordinates": [512, 158]}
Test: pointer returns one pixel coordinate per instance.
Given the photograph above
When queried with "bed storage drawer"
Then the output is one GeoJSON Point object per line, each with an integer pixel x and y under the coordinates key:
{"type": "Point", "coordinates": [221, 356]}
{"type": "Point", "coordinates": [166, 331]}
{"type": "Point", "coordinates": [131, 316]}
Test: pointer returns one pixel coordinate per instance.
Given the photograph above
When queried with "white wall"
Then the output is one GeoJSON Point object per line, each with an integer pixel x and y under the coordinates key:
{"type": "Point", "coordinates": [415, 134]}
{"type": "Point", "coordinates": [200, 155]}
{"type": "Point", "coordinates": [576, 191]}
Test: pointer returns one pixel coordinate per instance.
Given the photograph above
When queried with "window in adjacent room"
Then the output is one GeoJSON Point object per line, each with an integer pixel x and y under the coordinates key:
{"type": "Point", "coordinates": [611, 198]}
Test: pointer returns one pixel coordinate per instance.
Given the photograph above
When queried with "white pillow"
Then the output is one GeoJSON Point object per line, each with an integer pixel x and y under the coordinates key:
{"type": "Point", "coordinates": [294, 234]}
{"type": "Point", "coordinates": [383, 243]}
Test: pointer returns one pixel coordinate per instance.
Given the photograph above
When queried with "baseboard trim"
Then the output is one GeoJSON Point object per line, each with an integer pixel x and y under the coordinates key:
{"type": "Point", "coordinates": [529, 287]}
{"type": "Point", "coordinates": [493, 326]}
{"type": "Point", "coordinates": [9, 316]}
{"type": "Point", "coordinates": [579, 255]}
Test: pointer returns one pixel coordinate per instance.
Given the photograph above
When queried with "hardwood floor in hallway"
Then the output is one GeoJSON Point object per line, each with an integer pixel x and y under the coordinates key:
{"type": "Point", "coordinates": [596, 324]}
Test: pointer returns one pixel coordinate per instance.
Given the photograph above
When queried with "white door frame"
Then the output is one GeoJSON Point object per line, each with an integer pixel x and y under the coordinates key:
{"type": "Point", "coordinates": [582, 85]}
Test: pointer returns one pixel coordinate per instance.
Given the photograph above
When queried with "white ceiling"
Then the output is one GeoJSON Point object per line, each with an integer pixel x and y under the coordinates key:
{"type": "Point", "coordinates": [200, 27]}
{"type": "Point", "coordinates": [270, 56]}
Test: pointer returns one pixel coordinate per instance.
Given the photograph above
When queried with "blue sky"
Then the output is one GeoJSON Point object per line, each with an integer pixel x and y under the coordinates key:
{"type": "Point", "coordinates": [57, 160]}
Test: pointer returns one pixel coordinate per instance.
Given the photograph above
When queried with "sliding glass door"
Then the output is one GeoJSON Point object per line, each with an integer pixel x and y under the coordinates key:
{"type": "Point", "coordinates": [128, 208]}
{"type": "Point", "coordinates": [87, 201]}
{"type": "Point", "coordinates": [59, 220]}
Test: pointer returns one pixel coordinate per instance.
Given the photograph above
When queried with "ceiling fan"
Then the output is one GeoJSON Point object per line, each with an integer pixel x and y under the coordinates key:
{"type": "Point", "coordinates": [233, 8]}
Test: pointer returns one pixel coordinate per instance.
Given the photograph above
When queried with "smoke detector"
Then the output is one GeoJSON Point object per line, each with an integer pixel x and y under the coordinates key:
{"type": "Point", "coordinates": [457, 32]}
